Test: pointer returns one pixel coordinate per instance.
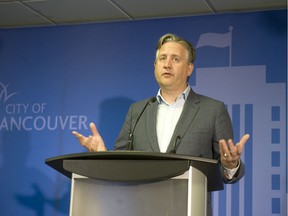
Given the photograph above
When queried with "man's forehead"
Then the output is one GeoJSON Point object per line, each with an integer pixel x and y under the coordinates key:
{"type": "Point", "coordinates": [172, 48]}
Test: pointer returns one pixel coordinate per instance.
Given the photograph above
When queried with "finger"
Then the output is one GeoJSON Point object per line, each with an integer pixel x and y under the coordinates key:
{"type": "Point", "coordinates": [94, 129]}
{"type": "Point", "coordinates": [232, 148]}
{"type": "Point", "coordinates": [84, 141]}
{"type": "Point", "coordinates": [243, 140]}
{"type": "Point", "coordinates": [241, 143]}
{"type": "Point", "coordinates": [77, 135]}
{"type": "Point", "coordinates": [224, 151]}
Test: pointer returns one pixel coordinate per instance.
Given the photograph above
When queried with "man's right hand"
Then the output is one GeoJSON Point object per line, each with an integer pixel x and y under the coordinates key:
{"type": "Point", "coordinates": [93, 142]}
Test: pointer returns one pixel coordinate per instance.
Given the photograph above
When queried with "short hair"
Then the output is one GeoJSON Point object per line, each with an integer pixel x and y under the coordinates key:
{"type": "Point", "coordinates": [174, 38]}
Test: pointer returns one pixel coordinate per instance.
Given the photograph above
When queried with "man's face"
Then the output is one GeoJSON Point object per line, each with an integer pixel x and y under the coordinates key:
{"type": "Point", "coordinates": [172, 67]}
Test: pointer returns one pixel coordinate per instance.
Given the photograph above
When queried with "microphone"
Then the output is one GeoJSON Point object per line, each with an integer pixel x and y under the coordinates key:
{"type": "Point", "coordinates": [173, 151]}
{"type": "Point", "coordinates": [131, 135]}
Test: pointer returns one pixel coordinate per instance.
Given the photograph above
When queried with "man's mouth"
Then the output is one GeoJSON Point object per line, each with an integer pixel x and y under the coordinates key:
{"type": "Point", "coordinates": [167, 74]}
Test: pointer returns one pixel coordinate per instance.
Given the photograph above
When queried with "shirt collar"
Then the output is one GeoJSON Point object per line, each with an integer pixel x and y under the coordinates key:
{"type": "Point", "coordinates": [183, 95]}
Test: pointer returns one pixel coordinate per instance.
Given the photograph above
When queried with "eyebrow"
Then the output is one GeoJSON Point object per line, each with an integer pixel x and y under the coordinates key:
{"type": "Point", "coordinates": [173, 55]}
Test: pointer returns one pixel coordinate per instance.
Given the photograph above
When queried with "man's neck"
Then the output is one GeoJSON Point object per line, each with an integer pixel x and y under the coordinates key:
{"type": "Point", "coordinates": [171, 96]}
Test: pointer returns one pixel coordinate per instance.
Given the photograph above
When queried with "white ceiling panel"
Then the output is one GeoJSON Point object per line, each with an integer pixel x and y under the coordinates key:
{"type": "Point", "coordinates": [13, 14]}
{"type": "Point", "coordinates": [76, 11]}
{"type": "Point", "coordinates": [159, 8]}
{"type": "Point", "coordinates": [18, 13]}
{"type": "Point", "coordinates": [247, 5]}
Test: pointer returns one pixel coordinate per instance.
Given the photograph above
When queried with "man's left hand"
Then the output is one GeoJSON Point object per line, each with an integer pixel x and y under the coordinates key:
{"type": "Point", "coordinates": [230, 152]}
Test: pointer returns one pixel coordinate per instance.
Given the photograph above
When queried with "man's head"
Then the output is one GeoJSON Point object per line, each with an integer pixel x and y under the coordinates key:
{"type": "Point", "coordinates": [173, 63]}
{"type": "Point", "coordinates": [174, 38]}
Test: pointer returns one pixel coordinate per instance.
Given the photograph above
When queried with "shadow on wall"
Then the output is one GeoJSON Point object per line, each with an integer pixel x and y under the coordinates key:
{"type": "Point", "coordinates": [28, 191]}
{"type": "Point", "coordinates": [275, 22]}
{"type": "Point", "coordinates": [24, 190]}
{"type": "Point", "coordinates": [112, 115]}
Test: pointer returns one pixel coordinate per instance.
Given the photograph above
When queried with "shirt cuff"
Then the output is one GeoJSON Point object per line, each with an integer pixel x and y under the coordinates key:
{"type": "Point", "coordinates": [229, 173]}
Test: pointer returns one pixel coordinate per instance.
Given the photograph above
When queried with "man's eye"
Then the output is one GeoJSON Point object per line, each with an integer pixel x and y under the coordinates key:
{"type": "Point", "coordinates": [175, 59]}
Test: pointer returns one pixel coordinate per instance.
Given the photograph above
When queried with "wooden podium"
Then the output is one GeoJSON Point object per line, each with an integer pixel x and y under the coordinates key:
{"type": "Point", "coordinates": [130, 183]}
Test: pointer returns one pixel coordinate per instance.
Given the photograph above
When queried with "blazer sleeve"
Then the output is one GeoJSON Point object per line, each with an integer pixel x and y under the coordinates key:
{"type": "Point", "coordinates": [224, 130]}
{"type": "Point", "coordinates": [123, 137]}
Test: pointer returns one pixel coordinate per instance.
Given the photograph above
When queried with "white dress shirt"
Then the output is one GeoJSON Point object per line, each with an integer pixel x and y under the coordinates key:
{"type": "Point", "coordinates": [167, 118]}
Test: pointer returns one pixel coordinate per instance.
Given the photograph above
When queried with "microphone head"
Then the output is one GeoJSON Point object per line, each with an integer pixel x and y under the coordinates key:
{"type": "Point", "coordinates": [153, 99]}
{"type": "Point", "coordinates": [173, 151]}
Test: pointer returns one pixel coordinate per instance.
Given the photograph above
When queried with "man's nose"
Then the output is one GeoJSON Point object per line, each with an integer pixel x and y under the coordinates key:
{"type": "Point", "coordinates": [167, 63]}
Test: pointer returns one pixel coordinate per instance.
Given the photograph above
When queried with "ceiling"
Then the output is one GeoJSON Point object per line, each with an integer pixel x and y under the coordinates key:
{"type": "Point", "coordinates": [27, 13]}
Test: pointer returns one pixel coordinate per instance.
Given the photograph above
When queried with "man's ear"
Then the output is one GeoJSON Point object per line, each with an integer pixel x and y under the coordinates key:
{"type": "Point", "coordinates": [190, 69]}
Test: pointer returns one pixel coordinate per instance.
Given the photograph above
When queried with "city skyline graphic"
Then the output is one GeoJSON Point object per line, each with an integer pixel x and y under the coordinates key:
{"type": "Point", "coordinates": [264, 118]}
{"type": "Point", "coordinates": [264, 154]}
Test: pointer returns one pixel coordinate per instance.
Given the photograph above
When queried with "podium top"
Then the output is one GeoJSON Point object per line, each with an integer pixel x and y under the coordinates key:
{"type": "Point", "coordinates": [135, 166]}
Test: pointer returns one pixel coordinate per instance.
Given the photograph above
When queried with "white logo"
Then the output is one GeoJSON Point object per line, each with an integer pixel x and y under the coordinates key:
{"type": "Point", "coordinates": [4, 95]}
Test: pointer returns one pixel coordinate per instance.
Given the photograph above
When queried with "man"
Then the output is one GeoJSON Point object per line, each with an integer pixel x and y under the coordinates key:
{"type": "Point", "coordinates": [180, 120]}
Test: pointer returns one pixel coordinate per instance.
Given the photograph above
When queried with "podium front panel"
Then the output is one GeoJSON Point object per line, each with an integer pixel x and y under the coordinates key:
{"type": "Point", "coordinates": [103, 198]}
{"type": "Point", "coordinates": [184, 195]}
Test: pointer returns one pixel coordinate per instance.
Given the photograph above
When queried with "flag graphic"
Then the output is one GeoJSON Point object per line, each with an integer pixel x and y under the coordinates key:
{"type": "Point", "coordinates": [217, 40]}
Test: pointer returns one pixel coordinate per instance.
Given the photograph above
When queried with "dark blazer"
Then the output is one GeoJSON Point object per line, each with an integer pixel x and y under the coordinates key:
{"type": "Point", "coordinates": [203, 122]}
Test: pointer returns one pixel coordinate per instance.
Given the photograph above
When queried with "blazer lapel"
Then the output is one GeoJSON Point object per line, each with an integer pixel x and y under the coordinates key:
{"type": "Point", "coordinates": [151, 118]}
{"type": "Point", "coordinates": [190, 109]}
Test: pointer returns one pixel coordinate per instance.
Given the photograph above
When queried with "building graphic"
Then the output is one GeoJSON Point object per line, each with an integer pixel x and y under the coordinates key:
{"type": "Point", "coordinates": [257, 108]}
{"type": "Point", "coordinates": [262, 190]}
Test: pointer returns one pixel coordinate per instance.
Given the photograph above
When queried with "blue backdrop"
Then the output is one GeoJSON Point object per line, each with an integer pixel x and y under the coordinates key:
{"type": "Point", "coordinates": [58, 79]}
